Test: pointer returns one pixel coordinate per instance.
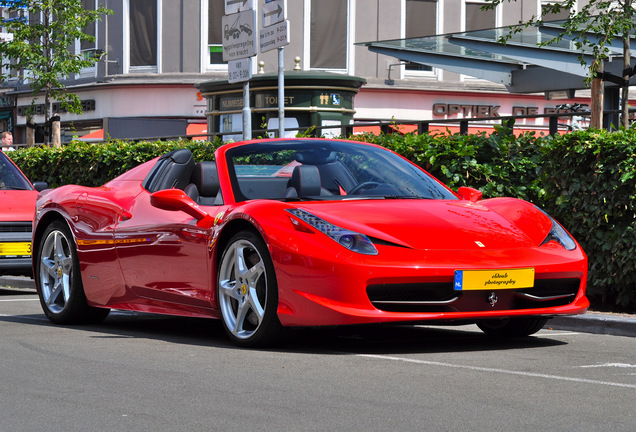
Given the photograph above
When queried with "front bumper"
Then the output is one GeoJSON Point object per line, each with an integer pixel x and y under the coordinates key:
{"type": "Point", "coordinates": [404, 285]}
{"type": "Point", "coordinates": [15, 260]}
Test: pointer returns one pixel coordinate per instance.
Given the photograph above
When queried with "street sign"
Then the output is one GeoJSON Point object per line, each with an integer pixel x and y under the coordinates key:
{"type": "Point", "coordinates": [239, 35]}
{"type": "Point", "coordinates": [274, 36]}
{"type": "Point", "coordinates": [234, 6]}
{"type": "Point", "coordinates": [274, 11]}
{"type": "Point", "coordinates": [239, 70]}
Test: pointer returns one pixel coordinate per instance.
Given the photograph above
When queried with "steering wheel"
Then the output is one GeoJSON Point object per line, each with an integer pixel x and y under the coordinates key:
{"type": "Point", "coordinates": [357, 189]}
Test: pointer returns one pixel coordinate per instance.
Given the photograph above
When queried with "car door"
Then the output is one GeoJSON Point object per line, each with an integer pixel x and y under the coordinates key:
{"type": "Point", "coordinates": [165, 257]}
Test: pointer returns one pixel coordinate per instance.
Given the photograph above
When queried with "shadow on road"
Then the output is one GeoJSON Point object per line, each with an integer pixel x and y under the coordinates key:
{"type": "Point", "coordinates": [370, 339]}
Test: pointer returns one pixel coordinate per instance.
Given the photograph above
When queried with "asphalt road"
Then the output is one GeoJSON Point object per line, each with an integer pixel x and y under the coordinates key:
{"type": "Point", "coordinates": [149, 373]}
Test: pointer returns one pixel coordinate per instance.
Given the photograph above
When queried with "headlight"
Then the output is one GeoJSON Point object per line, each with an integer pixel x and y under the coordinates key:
{"type": "Point", "coordinates": [351, 240]}
{"type": "Point", "coordinates": [558, 234]}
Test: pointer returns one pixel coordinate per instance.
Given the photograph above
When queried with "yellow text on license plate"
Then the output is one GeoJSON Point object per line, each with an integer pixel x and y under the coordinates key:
{"type": "Point", "coordinates": [15, 249]}
{"type": "Point", "coordinates": [494, 279]}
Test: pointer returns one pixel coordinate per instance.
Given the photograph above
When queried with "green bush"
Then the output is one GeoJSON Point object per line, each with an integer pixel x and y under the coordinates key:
{"type": "Point", "coordinates": [589, 180]}
{"type": "Point", "coordinates": [586, 180]}
{"type": "Point", "coordinates": [95, 164]}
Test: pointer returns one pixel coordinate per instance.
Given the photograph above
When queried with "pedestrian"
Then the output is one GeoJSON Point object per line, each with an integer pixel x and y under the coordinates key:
{"type": "Point", "coordinates": [7, 141]}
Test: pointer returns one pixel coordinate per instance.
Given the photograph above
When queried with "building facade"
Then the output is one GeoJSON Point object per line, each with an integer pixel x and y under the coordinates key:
{"type": "Point", "coordinates": [153, 53]}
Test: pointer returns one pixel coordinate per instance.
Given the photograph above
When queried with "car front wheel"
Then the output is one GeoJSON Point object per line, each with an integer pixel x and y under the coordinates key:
{"type": "Point", "coordinates": [59, 281]}
{"type": "Point", "coordinates": [247, 292]}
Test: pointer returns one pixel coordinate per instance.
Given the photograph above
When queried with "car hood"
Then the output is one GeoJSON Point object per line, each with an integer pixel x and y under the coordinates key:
{"type": "Point", "coordinates": [17, 205]}
{"type": "Point", "coordinates": [440, 224]}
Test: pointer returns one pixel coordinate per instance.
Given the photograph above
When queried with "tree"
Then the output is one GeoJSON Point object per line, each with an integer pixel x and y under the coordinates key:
{"type": "Point", "coordinates": [593, 29]}
{"type": "Point", "coordinates": [41, 51]}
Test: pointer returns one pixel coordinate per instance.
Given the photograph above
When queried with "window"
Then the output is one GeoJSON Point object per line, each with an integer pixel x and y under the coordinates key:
{"type": "Point", "coordinates": [143, 31]}
{"type": "Point", "coordinates": [421, 20]}
{"type": "Point", "coordinates": [556, 16]}
{"type": "Point", "coordinates": [216, 10]}
{"type": "Point", "coordinates": [12, 14]}
{"type": "Point", "coordinates": [328, 34]}
{"type": "Point", "coordinates": [90, 28]}
{"type": "Point", "coordinates": [477, 19]}
{"type": "Point", "coordinates": [86, 48]}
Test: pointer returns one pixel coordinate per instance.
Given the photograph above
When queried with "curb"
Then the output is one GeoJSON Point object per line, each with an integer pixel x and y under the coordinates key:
{"type": "Point", "coordinates": [597, 323]}
{"type": "Point", "coordinates": [21, 282]}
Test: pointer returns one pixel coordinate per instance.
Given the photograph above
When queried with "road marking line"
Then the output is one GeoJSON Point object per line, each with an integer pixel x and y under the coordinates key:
{"type": "Point", "coordinates": [553, 333]}
{"type": "Point", "coordinates": [618, 365]}
{"type": "Point", "coordinates": [19, 300]}
{"type": "Point", "coordinates": [501, 371]}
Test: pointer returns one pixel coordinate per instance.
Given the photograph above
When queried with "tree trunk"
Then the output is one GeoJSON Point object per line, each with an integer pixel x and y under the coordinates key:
{"type": "Point", "coordinates": [598, 92]}
{"type": "Point", "coordinates": [56, 132]}
{"type": "Point", "coordinates": [30, 133]}
{"type": "Point", "coordinates": [627, 53]}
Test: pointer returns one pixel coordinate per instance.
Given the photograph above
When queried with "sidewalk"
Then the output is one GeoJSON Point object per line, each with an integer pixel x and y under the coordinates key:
{"type": "Point", "coordinates": [592, 322]}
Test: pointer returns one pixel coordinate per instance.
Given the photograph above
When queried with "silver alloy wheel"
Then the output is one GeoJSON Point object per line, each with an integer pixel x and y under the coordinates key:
{"type": "Point", "coordinates": [56, 268]}
{"type": "Point", "coordinates": [242, 288]}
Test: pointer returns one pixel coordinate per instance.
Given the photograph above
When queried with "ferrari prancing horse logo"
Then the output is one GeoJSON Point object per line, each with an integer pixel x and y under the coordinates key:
{"type": "Point", "coordinates": [493, 299]}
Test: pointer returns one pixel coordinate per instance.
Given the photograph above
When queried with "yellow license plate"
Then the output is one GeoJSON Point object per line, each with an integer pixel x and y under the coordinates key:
{"type": "Point", "coordinates": [494, 279]}
{"type": "Point", "coordinates": [15, 249]}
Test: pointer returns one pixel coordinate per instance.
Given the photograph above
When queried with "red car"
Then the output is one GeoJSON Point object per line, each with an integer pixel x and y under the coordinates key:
{"type": "Point", "coordinates": [301, 232]}
{"type": "Point", "coordinates": [17, 205]}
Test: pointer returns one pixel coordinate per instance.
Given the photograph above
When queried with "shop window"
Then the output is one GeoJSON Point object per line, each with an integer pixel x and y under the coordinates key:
{"type": "Point", "coordinates": [421, 20]}
{"type": "Point", "coordinates": [328, 34]}
{"type": "Point", "coordinates": [216, 10]}
{"type": "Point", "coordinates": [143, 32]}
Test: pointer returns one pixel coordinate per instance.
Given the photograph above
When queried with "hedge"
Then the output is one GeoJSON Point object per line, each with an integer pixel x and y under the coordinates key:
{"type": "Point", "coordinates": [586, 180]}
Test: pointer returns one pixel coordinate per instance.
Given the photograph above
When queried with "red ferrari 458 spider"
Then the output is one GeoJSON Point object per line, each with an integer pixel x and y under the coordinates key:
{"type": "Point", "coordinates": [301, 232]}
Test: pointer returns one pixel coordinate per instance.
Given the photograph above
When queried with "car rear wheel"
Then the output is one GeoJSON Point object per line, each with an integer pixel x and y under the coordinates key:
{"type": "Point", "coordinates": [512, 327]}
{"type": "Point", "coordinates": [247, 292]}
{"type": "Point", "coordinates": [59, 281]}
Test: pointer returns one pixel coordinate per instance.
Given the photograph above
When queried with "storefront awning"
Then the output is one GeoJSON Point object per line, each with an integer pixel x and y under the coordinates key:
{"type": "Point", "coordinates": [198, 130]}
{"type": "Point", "coordinates": [522, 65]}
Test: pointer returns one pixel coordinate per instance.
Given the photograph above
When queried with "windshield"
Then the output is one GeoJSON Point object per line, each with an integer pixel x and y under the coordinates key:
{"type": "Point", "coordinates": [10, 177]}
{"type": "Point", "coordinates": [326, 170]}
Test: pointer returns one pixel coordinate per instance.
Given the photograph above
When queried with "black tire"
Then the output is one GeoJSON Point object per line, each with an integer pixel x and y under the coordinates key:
{"type": "Point", "coordinates": [247, 292]}
{"type": "Point", "coordinates": [58, 279]}
{"type": "Point", "coordinates": [512, 327]}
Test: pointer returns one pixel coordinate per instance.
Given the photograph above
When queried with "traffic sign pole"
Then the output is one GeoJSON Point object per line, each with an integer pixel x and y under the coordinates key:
{"type": "Point", "coordinates": [247, 112]}
{"type": "Point", "coordinates": [281, 92]}
{"type": "Point", "coordinates": [239, 45]}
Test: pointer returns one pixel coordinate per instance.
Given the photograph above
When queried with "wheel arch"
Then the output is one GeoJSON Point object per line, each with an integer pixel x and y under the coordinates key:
{"type": "Point", "coordinates": [45, 221]}
{"type": "Point", "coordinates": [232, 227]}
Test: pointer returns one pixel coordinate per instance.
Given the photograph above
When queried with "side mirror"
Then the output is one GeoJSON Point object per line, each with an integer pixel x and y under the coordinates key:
{"type": "Point", "coordinates": [40, 186]}
{"type": "Point", "coordinates": [469, 194]}
{"type": "Point", "coordinates": [178, 200]}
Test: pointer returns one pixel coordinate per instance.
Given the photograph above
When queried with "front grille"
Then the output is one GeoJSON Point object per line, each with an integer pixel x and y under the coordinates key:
{"type": "Point", "coordinates": [553, 287]}
{"type": "Point", "coordinates": [441, 297]}
{"type": "Point", "coordinates": [412, 297]}
{"type": "Point", "coordinates": [19, 227]}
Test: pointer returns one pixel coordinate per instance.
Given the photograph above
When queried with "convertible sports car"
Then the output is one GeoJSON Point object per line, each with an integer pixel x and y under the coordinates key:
{"type": "Point", "coordinates": [301, 232]}
{"type": "Point", "coordinates": [17, 205]}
